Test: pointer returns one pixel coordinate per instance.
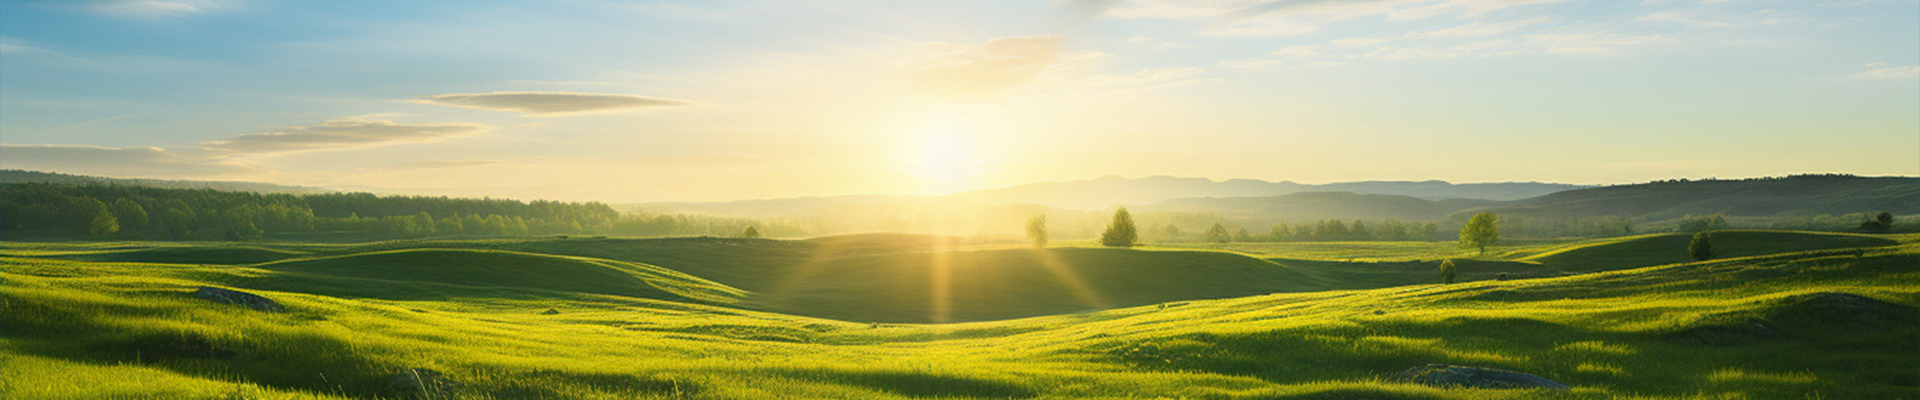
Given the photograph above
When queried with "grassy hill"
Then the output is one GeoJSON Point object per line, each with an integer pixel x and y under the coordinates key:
{"type": "Point", "coordinates": [1833, 324]}
{"type": "Point", "coordinates": [1319, 205]}
{"type": "Point", "coordinates": [1801, 195]}
{"type": "Point", "coordinates": [502, 269]}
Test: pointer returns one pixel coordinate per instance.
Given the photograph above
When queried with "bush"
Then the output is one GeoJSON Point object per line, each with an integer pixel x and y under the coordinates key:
{"type": "Point", "coordinates": [1701, 247]}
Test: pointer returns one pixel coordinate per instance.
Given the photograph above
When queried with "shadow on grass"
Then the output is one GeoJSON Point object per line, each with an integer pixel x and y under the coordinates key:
{"type": "Point", "coordinates": [914, 384]}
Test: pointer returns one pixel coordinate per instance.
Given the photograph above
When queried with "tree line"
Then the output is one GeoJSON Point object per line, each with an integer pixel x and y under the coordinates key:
{"type": "Point", "coordinates": [138, 212]}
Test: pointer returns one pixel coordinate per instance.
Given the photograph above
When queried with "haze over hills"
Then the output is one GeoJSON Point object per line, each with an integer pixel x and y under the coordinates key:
{"type": "Point", "coordinates": [1790, 196]}
{"type": "Point", "coordinates": [24, 176]}
{"type": "Point", "coordinates": [1101, 193]}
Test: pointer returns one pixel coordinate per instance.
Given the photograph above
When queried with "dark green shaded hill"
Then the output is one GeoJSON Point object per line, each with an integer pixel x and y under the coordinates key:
{"type": "Point", "coordinates": [1801, 195]}
{"type": "Point", "coordinates": [501, 269]}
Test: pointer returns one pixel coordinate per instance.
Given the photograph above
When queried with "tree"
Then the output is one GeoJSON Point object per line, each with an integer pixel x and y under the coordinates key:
{"type": "Point", "coordinates": [1701, 247]}
{"type": "Point", "coordinates": [104, 226]}
{"type": "Point", "coordinates": [1218, 234]}
{"type": "Point", "coordinates": [244, 231]}
{"type": "Point", "coordinates": [1120, 233]}
{"type": "Point", "coordinates": [1481, 231]}
{"type": "Point", "coordinates": [131, 215]}
{"type": "Point", "coordinates": [1279, 232]}
{"type": "Point", "coordinates": [1448, 272]}
{"type": "Point", "coordinates": [1037, 230]}
{"type": "Point", "coordinates": [750, 233]}
{"type": "Point", "coordinates": [1242, 235]}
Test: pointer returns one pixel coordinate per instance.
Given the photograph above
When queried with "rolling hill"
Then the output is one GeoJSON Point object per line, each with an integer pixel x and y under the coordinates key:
{"type": "Point", "coordinates": [1800, 195]}
{"type": "Point", "coordinates": [1833, 323]}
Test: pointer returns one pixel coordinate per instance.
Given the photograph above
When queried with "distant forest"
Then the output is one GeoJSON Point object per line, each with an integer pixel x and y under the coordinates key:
{"type": "Point", "coordinates": [138, 212]}
{"type": "Point", "coordinates": [117, 211]}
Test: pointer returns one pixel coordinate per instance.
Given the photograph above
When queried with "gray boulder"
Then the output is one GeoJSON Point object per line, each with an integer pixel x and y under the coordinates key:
{"type": "Point", "coordinates": [229, 296]}
{"type": "Point", "coordinates": [1442, 375]}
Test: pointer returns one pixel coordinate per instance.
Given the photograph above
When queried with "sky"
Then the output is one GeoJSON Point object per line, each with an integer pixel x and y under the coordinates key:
{"type": "Point", "coordinates": [718, 100]}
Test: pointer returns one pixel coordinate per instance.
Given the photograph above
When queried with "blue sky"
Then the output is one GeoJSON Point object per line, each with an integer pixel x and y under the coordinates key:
{"type": "Point", "coordinates": [714, 100]}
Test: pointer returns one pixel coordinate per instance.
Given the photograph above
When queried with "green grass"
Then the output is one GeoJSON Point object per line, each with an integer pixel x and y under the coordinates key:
{"type": "Point", "coordinates": [1666, 248]}
{"type": "Point", "coordinates": [85, 330]}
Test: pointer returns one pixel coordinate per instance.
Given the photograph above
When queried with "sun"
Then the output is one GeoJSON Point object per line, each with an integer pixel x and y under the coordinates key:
{"type": "Point", "coordinates": [943, 156]}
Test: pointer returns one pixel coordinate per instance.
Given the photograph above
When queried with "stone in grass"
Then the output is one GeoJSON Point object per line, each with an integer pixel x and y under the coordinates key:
{"type": "Point", "coordinates": [229, 296]}
{"type": "Point", "coordinates": [423, 384]}
{"type": "Point", "coordinates": [1442, 375]}
{"type": "Point", "coordinates": [550, 312]}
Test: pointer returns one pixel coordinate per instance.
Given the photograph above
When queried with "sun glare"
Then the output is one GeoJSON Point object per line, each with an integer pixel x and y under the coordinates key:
{"type": "Point", "coordinates": [943, 156]}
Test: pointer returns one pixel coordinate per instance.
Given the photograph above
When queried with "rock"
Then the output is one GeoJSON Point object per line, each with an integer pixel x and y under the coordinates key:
{"type": "Point", "coordinates": [1442, 375]}
{"type": "Point", "coordinates": [550, 312]}
{"type": "Point", "coordinates": [228, 296]}
{"type": "Point", "coordinates": [423, 384]}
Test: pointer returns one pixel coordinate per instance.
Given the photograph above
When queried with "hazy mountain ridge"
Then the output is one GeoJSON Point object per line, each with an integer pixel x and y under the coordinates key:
{"type": "Point", "coordinates": [24, 176]}
{"type": "Point", "coordinates": [1797, 195]}
{"type": "Point", "coordinates": [1105, 192]}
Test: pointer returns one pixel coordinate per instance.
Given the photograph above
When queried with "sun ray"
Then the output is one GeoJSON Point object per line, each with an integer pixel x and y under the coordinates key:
{"type": "Point", "coordinates": [1071, 279]}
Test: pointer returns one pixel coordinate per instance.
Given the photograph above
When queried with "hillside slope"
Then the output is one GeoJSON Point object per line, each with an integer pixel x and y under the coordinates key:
{"type": "Point", "coordinates": [369, 272]}
{"type": "Point", "coordinates": [1801, 195]}
{"type": "Point", "coordinates": [1785, 326]}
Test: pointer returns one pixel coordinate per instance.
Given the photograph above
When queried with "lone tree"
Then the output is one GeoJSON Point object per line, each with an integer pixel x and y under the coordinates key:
{"type": "Point", "coordinates": [750, 233]}
{"type": "Point", "coordinates": [1448, 272]}
{"type": "Point", "coordinates": [1481, 231]}
{"type": "Point", "coordinates": [1037, 230]}
{"type": "Point", "coordinates": [1701, 247]}
{"type": "Point", "coordinates": [104, 226]}
{"type": "Point", "coordinates": [1120, 233]}
{"type": "Point", "coordinates": [1218, 234]}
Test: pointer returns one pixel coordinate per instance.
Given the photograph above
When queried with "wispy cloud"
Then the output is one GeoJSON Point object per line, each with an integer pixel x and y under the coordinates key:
{"type": "Point", "coordinates": [1033, 66]}
{"type": "Point", "coordinates": [342, 133]}
{"type": "Point", "coordinates": [121, 161]}
{"type": "Point", "coordinates": [548, 103]}
{"type": "Point", "coordinates": [151, 9]}
{"type": "Point", "coordinates": [1905, 72]}
{"type": "Point", "coordinates": [1282, 17]}
{"type": "Point", "coordinates": [1680, 18]}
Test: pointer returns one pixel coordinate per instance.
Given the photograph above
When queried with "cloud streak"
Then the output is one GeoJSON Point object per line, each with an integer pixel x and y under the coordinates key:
{"type": "Point", "coordinates": [548, 103]}
{"type": "Point", "coordinates": [1033, 66]}
{"type": "Point", "coordinates": [342, 133]}
{"type": "Point", "coordinates": [150, 9]}
{"type": "Point", "coordinates": [120, 161]}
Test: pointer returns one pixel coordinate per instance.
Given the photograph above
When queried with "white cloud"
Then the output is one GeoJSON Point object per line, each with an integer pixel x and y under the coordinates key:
{"type": "Point", "coordinates": [548, 103]}
{"type": "Point", "coordinates": [1889, 73]}
{"type": "Point", "coordinates": [151, 9]}
{"type": "Point", "coordinates": [342, 133]}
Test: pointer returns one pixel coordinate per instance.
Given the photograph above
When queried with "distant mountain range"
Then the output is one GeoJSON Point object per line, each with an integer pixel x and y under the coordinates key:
{"type": "Point", "coordinates": [1792, 196]}
{"type": "Point", "coordinates": [1079, 206]}
{"type": "Point", "coordinates": [1102, 193]}
{"type": "Point", "coordinates": [23, 176]}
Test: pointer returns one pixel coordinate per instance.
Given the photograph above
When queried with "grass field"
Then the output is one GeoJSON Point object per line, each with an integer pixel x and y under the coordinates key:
{"type": "Point", "coordinates": [721, 319]}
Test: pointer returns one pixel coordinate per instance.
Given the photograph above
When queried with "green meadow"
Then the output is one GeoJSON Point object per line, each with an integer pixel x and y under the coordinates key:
{"type": "Point", "coordinates": [1776, 315]}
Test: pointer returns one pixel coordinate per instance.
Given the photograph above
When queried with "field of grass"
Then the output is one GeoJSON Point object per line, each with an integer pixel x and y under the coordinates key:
{"type": "Point", "coordinates": [676, 318]}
